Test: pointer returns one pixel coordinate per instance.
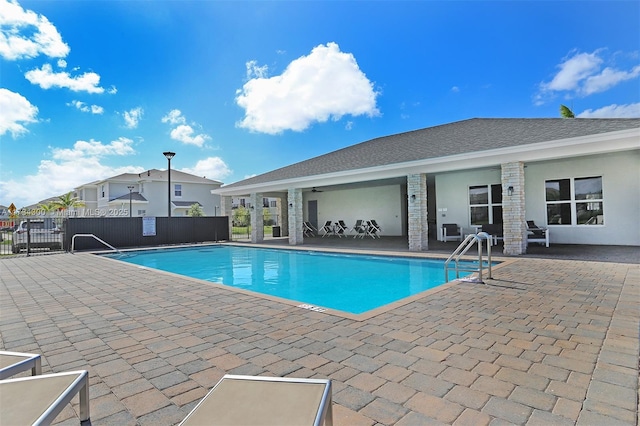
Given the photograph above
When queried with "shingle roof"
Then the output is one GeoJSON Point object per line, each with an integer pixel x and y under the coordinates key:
{"type": "Point", "coordinates": [467, 136]}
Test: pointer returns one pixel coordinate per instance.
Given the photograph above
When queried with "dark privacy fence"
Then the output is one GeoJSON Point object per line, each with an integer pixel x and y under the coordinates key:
{"type": "Point", "coordinates": [123, 232]}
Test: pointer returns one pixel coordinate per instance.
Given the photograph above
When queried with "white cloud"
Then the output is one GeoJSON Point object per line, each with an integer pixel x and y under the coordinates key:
{"type": "Point", "coordinates": [184, 132]}
{"type": "Point", "coordinates": [211, 168]}
{"type": "Point", "coordinates": [17, 111]}
{"type": "Point", "coordinates": [62, 63]}
{"type": "Point", "coordinates": [25, 34]}
{"type": "Point", "coordinates": [68, 169]}
{"type": "Point", "coordinates": [93, 109]}
{"type": "Point", "coordinates": [608, 78]}
{"type": "Point", "coordinates": [174, 117]}
{"type": "Point", "coordinates": [613, 111]}
{"type": "Point", "coordinates": [132, 117]}
{"type": "Point", "coordinates": [581, 74]}
{"type": "Point", "coordinates": [326, 84]}
{"type": "Point", "coordinates": [46, 78]}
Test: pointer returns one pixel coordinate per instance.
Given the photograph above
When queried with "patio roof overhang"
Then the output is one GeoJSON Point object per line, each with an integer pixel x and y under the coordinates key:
{"type": "Point", "coordinates": [623, 140]}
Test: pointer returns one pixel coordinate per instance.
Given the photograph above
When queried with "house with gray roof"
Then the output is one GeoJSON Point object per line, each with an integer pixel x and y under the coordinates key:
{"type": "Point", "coordinates": [579, 178]}
{"type": "Point", "coordinates": [112, 197]}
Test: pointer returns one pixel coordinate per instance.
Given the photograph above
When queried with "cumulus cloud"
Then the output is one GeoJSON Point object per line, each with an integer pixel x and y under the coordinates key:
{"type": "Point", "coordinates": [211, 168]}
{"type": "Point", "coordinates": [184, 132]}
{"type": "Point", "coordinates": [326, 84]}
{"type": "Point", "coordinates": [582, 74]}
{"type": "Point", "coordinates": [93, 109]}
{"type": "Point", "coordinates": [67, 169]}
{"type": "Point", "coordinates": [132, 117]}
{"type": "Point", "coordinates": [17, 112]}
{"type": "Point", "coordinates": [25, 34]}
{"type": "Point", "coordinates": [46, 78]}
{"type": "Point", "coordinates": [613, 111]}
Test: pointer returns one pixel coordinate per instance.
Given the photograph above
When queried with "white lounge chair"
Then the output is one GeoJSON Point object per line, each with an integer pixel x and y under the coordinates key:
{"type": "Point", "coordinates": [264, 401]}
{"type": "Point", "coordinates": [37, 400]}
{"type": "Point", "coordinates": [308, 229]}
{"type": "Point", "coordinates": [450, 232]}
{"type": "Point", "coordinates": [327, 229]}
{"type": "Point", "coordinates": [373, 229]}
{"type": "Point", "coordinates": [535, 234]}
{"type": "Point", "coordinates": [359, 229]}
{"type": "Point", "coordinates": [12, 363]}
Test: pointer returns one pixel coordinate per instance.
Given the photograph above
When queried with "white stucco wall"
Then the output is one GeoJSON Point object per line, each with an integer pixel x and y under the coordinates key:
{"type": "Point", "coordinates": [452, 195]}
{"type": "Point", "coordinates": [382, 203]}
{"type": "Point", "coordinates": [621, 193]}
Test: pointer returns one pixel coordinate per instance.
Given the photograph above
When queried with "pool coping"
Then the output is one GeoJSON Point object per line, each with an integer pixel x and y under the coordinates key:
{"type": "Point", "coordinates": [503, 261]}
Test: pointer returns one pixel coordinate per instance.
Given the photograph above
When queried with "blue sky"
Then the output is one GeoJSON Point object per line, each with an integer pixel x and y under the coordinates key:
{"type": "Point", "coordinates": [92, 89]}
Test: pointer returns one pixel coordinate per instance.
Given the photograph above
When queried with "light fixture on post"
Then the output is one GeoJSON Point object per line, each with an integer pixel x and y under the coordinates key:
{"type": "Point", "coordinates": [510, 191]}
{"type": "Point", "coordinates": [169, 156]}
{"type": "Point", "coordinates": [130, 187]}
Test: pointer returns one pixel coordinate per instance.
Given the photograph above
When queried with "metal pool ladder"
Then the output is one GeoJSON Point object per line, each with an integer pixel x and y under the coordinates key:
{"type": "Point", "coordinates": [464, 246]}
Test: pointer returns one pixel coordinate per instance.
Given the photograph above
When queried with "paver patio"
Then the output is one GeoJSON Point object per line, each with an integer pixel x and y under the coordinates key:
{"type": "Point", "coordinates": [545, 342]}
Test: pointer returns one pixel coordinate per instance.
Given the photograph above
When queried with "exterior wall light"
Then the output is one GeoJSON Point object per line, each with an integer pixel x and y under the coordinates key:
{"type": "Point", "coordinates": [510, 191]}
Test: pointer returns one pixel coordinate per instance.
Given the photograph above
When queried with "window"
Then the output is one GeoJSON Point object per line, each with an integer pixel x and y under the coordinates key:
{"type": "Point", "coordinates": [575, 201]}
{"type": "Point", "coordinates": [274, 203]}
{"type": "Point", "coordinates": [142, 212]}
{"type": "Point", "coordinates": [485, 204]}
{"type": "Point", "coordinates": [265, 202]}
{"type": "Point", "coordinates": [177, 190]}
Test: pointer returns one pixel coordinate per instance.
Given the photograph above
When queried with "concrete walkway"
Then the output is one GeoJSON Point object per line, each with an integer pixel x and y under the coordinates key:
{"type": "Point", "coordinates": [545, 342]}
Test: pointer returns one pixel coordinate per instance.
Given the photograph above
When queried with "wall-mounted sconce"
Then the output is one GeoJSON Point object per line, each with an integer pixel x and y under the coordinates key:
{"type": "Point", "coordinates": [290, 204]}
{"type": "Point", "coordinates": [251, 207]}
{"type": "Point", "coordinates": [413, 197]}
{"type": "Point", "coordinates": [510, 191]}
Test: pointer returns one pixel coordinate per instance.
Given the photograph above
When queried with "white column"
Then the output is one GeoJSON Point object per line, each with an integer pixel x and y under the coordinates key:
{"type": "Point", "coordinates": [295, 216]}
{"type": "Point", "coordinates": [513, 209]}
{"type": "Point", "coordinates": [417, 211]}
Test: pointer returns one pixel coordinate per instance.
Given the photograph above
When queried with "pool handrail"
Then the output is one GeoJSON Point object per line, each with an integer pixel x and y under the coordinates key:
{"type": "Point", "coordinates": [73, 241]}
{"type": "Point", "coordinates": [460, 251]}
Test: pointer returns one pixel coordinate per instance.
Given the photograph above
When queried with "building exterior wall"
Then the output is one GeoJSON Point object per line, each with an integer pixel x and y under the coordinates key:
{"type": "Point", "coordinates": [621, 197]}
{"type": "Point", "coordinates": [381, 203]}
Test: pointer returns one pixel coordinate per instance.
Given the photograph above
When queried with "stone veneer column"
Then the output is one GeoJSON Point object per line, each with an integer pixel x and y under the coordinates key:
{"type": "Point", "coordinates": [417, 211]}
{"type": "Point", "coordinates": [513, 209]}
{"type": "Point", "coordinates": [283, 211]}
{"type": "Point", "coordinates": [226, 210]}
{"type": "Point", "coordinates": [257, 220]}
{"type": "Point", "coordinates": [295, 216]}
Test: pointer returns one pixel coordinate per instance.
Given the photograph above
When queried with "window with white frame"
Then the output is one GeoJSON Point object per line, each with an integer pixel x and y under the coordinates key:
{"type": "Point", "coordinates": [177, 191]}
{"type": "Point", "coordinates": [575, 201]}
{"type": "Point", "coordinates": [485, 204]}
{"type": "Point", "coordinates": [142, 212]}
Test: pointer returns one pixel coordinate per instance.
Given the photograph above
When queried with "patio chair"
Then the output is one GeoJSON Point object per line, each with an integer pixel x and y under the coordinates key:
{"type": "Point", "coordinates": [327, 229]}
{"type": "Point", "coordinates": [373, 229]}
{"type": "Point", "coordinates": [536, 234]}
{"type": "Point", "coordinates": [359, 229]}
{"type": "Point", "coordinates": [340, 228]}
{"type": "Point", "coordinates": [265, 401]}
{"type": "Point", "coordinates": [12, 363]}
{"type": "Point", "coordinates": [450, 232]}
{"type": "Point", "coordinates": [495, 230]}
{"type": "Point", "coordinates": [37, 400]}
{"type": "Point", "coordinates": [309, 230]}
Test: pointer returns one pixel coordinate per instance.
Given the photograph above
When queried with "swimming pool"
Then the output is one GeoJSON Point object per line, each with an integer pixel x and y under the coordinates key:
{"type": "Point", "coordinates": [352, 283]}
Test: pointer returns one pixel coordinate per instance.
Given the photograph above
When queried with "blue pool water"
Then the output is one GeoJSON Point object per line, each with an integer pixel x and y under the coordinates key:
{"type": "Point", "coordinates": [350, 283]}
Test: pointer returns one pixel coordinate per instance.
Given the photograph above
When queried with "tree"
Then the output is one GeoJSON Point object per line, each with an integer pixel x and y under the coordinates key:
{"type": "Point", "coordinates": [565, 112]}
{"type": "Point", "coordinates": [241, 216]}
{"type": "Point", "coordinates": [195, 210]}
{"type": "Point", "coordinates": [66, 202]}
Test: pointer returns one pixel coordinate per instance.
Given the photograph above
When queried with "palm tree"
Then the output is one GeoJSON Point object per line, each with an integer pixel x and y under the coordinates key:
{"type": "Point", "coordinates": [565, 112]}
{"type": "Point", "coordinates": [66, 202]}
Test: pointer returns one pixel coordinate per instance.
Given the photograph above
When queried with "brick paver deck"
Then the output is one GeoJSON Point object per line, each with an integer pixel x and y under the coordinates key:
{"type": "Point", "coordinates": [545, 342]}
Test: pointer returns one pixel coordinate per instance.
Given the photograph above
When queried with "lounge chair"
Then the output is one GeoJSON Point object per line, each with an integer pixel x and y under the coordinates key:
{"type": "Point", "coordinates": [535, 234]}
{"type": "Point", "coordinates": [450, 232]}
{"type": "Point", "coordinates": [260, 400]}
{"type": "Point", "coordinates": [340, 228]}
{"type": "Point", "coordinates": [12, 363]}
{"type": "Point", "coordinates": [327, 229]}
{"type": "Point", "coordinates": [495, 230]}
{"type": "Point", "coordinates": [37, 400]}
{"type": "Point", "coordinates": [359, 229]}
{"type": "Point", "coordinates": [309, 230]}
{"type": "Point", "coordinates": [373, 229]}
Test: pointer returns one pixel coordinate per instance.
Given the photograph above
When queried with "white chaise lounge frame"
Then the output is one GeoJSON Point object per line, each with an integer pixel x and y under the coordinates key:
{"type": "Point", "coordinates": [12, 363]}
